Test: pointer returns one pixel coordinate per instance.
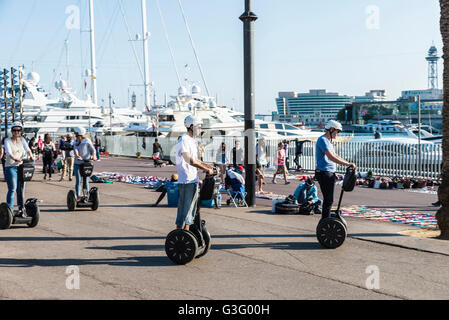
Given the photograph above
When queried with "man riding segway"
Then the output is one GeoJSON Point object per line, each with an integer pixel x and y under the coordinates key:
{"type": "Point", "coordinates": [331, 230]}
{"type": "Point", "coordinates": [190, 239]}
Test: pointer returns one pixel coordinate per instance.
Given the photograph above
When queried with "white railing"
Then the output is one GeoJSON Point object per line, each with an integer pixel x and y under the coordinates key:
{"type": "Point", "coordinates": [382, 158]}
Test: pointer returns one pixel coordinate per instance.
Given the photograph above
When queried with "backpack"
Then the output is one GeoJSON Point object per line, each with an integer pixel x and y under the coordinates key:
{"type": "Point", "coordinates": [47, 151]}
{"type": "Point", "coordinates": [349, 180]}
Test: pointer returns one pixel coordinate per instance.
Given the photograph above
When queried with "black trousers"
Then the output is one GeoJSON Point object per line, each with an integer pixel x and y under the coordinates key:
{"type": "Point", "coordinates": [296, 160]}
{"type": "Point", "coordinates": [47, 161]}
{"type": "Point", "coordinates": [326, 179]}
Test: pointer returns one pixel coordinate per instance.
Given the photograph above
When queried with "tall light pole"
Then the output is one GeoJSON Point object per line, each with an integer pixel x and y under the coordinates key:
{"type": "Point", "coordinates": [248, 18]}
{"type": "Point", "coordinates": [145, 36]}
{"type": "Point", "coordinates": [93, 61]}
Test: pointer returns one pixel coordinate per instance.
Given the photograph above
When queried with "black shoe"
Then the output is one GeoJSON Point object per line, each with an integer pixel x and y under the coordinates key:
{"type": "Point", "coordinates": [437, 204]}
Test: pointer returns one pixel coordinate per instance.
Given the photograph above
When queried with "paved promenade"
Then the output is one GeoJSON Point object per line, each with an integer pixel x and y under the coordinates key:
{"type": "Point", "coordinates": [119, 249]}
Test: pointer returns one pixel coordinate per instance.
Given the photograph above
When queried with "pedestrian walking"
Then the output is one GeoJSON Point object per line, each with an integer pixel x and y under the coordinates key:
{"type": "Point", "coordinates": [69, 157]}
{"type": "Point", "coordinates": [48, 151]}
{"type": "Point", "coordinates": [97, 145]}
{"type": "Point", "coordinates": [281, 168]}
{"type": "Point", "coordinates": [222, 160]}
{"type": "Point", "coordinates": [237, 155]}
{"type": "Point", "coordinates": [299, 145]}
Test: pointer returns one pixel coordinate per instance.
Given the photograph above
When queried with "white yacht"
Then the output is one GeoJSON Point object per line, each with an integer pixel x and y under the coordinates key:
{"type": "Point", "coordinates": [217, 120]}
{"type": "Point", "coordinates": [58, 116]}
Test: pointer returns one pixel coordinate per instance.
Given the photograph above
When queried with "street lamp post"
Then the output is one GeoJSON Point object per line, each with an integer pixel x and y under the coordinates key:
{"type": "Point", "coordinates": [248, 18]}
{"type": "Point", "coordinates": [419, 136]}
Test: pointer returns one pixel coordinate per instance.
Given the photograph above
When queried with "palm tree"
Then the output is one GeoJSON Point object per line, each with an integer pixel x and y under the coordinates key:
{"type": "Point", "coordinates": [442, 215]}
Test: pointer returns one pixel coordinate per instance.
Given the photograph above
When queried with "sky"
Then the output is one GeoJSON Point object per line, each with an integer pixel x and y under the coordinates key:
{"type": "Point", "coordinates": [349, 47]}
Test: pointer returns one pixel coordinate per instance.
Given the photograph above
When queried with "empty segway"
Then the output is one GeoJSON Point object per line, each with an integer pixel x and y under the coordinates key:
{"type": "Point", "coordinates": [331, 231]}
{"type": "Point", "coordinates": [9, 217]}
{"type": "Point", "coordinates": [89, 198]}
{"type": "Point", "coordinates": [181, 245]}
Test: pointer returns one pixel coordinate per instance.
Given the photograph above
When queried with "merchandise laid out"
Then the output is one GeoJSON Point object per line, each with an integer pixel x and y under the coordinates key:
{"type": "Point", "coordinates": [153, 182]}
{"type": "Point", "coordinates": [416, 219]}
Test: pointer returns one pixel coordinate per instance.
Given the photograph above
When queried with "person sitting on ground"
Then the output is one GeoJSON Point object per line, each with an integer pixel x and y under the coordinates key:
{"type": "Point", "coordinates": [163, 188]}
{"type": "Point", "coordinates": [307, 195]}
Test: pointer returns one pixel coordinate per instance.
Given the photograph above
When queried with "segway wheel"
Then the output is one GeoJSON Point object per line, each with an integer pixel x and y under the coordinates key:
{"type": "Point", "coordinates": [181, 246]}
{"type": "Point", "coordinates": [71, 200]}
{"type": "Point", "coordinates": [5, 216]}
{"type": "Point", "coordinates": [94, 198]}
{"type": "Point", "coordinates": [331, 233]}
{"type": "Point", "coordinates": [206, 238]}
{"type": "Point", "coordinates": [32, 210]}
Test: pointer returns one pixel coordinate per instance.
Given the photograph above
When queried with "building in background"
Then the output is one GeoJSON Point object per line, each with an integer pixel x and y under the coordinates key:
{"type": "Point", "coordinates": [429, 94]}
{"type": "Point", "coordinates": [312, 108]}
{"type": "Point", "coordinates": [372, 96]}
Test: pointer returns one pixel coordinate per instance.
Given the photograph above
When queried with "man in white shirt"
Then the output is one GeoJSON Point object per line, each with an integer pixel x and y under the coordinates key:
{"type": "Point", "coordinates": [186, 164]}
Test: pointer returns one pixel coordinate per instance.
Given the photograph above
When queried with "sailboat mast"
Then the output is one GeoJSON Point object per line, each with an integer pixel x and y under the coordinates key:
{"type": "Point", "coordinates": [145, 36]}
{"type": "Point", "coordinates": [92, 53]}
{"type": "Point", "coordinates": [67, 61]}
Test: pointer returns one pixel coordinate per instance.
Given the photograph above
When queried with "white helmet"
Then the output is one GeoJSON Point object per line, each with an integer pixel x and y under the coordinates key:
{"type": "Point", "coordinates": [333, 124]}
{"type": "Point", "coordinates": [189, 120]}
{"type": "Point", "coordinates": [80, 131]}
{"type": "Point", "coordinates": [16, 124]}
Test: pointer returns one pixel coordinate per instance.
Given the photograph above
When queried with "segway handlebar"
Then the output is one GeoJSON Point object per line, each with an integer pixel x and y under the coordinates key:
{"type": "Point", "coordinates": [216, 171]}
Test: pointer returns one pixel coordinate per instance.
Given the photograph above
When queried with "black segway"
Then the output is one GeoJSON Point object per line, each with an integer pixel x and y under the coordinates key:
{"type": "Point", "coordinates": [181, 245]}
{"type": "Point", "coordinates": [9, 217]}
{"type": "Point", "coordinates": [331, 231]}
{"type": "Point", "coordinates": [89, 199]}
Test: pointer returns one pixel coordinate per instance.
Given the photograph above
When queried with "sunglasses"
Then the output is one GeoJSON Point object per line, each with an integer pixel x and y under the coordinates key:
{"type": "Point", "coordinates": [16, 130]}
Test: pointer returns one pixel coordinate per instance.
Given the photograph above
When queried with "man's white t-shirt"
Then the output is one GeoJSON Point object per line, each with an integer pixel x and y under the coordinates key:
{"type": "Point", "coordinates": [186, 172]}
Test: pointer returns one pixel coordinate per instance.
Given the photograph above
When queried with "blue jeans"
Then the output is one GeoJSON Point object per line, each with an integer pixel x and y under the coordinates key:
{"type": "Point", "coordinates": [188, 197]}
{"type": "Point", "coordinates": [79, 180]}
{"type": "Point", "coordinates": [14, 185]}
{"type": "Point", "coordinates": [98, 152]}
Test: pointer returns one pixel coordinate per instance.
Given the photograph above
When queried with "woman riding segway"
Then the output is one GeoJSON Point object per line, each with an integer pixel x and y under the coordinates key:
{"type": "Point", "coordinates": [16, 149]}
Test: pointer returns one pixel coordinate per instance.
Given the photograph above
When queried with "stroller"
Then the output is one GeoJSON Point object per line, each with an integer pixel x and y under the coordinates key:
{"type": "Point", "coordinates": [235, 189]}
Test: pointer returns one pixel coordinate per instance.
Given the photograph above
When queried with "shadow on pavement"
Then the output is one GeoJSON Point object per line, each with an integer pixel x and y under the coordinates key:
{"type": "Point", "coordinates": [156, 261]}
{"type": "Point", "coordinates": [78, 238]}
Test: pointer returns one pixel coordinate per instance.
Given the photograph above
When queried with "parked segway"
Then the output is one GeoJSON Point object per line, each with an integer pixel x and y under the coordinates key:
{"type": "Point", "coordinates": [181, 245]}
{"type": "Point", "coordinates": [331, 231]}
{"type": "Point", "coordinates": [9, 217]}
{"type": "Point", "coordinates": [89, 199]}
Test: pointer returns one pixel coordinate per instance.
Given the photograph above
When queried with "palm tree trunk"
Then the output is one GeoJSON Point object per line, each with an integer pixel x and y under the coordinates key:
{"type": "Point", "coordinates": [442, 215]}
